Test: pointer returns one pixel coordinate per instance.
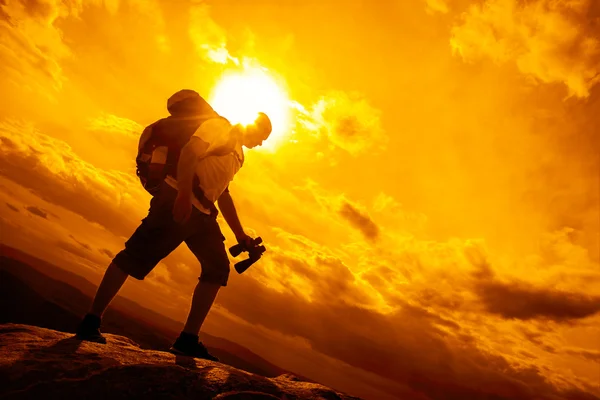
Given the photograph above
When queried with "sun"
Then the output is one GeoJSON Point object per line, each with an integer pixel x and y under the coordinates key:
{"type": "Point", "coordinates": [240, 95]}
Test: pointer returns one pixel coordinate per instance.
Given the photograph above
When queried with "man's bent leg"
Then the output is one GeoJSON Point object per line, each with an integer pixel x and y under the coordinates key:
{"type": "Point", "coordinates": [202, 301]}
{"type": "Point", "coordinates": [89, 327]}
{"type": "Point", "coordinates": [113, 280]}
{"type": "Point", "coordinates": [156, 237]}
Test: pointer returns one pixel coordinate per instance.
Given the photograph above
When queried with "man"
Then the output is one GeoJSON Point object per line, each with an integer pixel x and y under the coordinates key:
{"type": "Point", "coordinates": [182, 210]}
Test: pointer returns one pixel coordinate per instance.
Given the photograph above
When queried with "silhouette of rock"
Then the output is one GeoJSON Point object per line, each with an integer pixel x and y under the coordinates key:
{"type": "Point", "coordinates": [47, 364]}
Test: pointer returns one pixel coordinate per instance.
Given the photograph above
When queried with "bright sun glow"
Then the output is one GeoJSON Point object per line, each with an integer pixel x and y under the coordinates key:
{"type": "Point", "coordinates": [240, 96]}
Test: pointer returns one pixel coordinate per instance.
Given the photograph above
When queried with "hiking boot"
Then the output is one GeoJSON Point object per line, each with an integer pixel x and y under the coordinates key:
{"type": "Point", "coordinates": [188, 345]}
{"type": "Point", "coordinates": [89, 329]}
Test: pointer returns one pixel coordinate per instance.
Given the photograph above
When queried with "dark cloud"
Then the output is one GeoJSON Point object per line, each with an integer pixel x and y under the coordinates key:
{"type": "Point", "coordinates": [4, 15]}
{"type": "Point", "coordinates": [107, 252]}
{"type": "Point", "coordinates": [592, 355]}
{"type": "Point", "coordinates": [12, 207]}
{"type": "Point", "coordinates": [37, 211]}
{"type": "Point", "coordinates": [6, 142]}
{"type": "Point", "coordinates": [537, 338]}
{"type": "Point", "coordinates": [360, 221]}
{"type": "Point", "coordinates": [84, 245]}
{"type": "Point", "coordinates": [519, 300]}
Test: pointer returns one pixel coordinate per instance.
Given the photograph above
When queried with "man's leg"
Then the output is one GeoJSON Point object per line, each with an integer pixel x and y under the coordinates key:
{"type": "Point", "coordinates": [89, 327]}
{"type": "Point", "coordinates": [202, 301]}
{"type": "Point", "coordinates": [208, 247]}
{"type": "Point", "coordinates": [113, 280]}
{"type": "Point", "coordinates": [188, 343]}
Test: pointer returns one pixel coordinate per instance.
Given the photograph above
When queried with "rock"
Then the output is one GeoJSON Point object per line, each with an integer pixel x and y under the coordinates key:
{"type": "Point", "coordinates": [47, 364]}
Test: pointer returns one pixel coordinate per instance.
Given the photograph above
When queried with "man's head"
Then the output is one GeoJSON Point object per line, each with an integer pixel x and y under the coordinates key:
{"type": "Point", "coordinates": [188, 102]}
{"type": "Point", "coordinates": [257, 132]}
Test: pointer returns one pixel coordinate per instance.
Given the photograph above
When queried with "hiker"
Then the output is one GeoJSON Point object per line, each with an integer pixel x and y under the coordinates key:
{"type": "Point", "coordinates": [198, 153]}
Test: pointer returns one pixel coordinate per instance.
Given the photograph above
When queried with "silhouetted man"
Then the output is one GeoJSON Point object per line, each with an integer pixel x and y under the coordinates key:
{"type": "Point", "coordinates": [182, 209]}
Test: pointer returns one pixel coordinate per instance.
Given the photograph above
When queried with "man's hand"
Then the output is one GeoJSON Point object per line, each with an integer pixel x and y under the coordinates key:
{"type": "Point", "coordinates": [244, 240]}
{"type": "Point", "coordinates": [182, 209]}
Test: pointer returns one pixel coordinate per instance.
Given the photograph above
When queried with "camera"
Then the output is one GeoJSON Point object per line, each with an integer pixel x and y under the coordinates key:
{"type": "Point", "coordinates": [254, 249]}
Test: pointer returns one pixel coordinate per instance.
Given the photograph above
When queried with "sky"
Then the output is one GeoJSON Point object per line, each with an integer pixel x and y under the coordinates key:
{"type": "Point", "coordinates": [429, 198]}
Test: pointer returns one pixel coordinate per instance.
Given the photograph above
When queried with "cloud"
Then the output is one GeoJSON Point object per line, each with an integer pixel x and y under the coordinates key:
{"type": "Point", "coordinates": [419, 298]}
{"type": "Point", "coordinates": [12, 207]}
{"type": "Point", "coordinates": [107, 253]}
{"type": "Point", "coordinates": [311, 272]}
{"type": "Point", "coordinates": [82, 244]}
{"type": "Point", "coordinates": [537, 338]}
{"type": "Point", "coordinates": [208, 37]}
{"type": "Point", "coordinates": [552, 41]}
{"type": "Point", "coordinates": [346, 121]}
{"type": "Point", "coordinates": [120, 136]}
{"type": "Point", "coordinates": [73, 249]}
{"type": "Point", "coordinates": [114, 124]}
{"type": "Point", "coordinates": [407, 346]}
{"type": "Point", "coordinates": [31, 46]}
{"type": "Point", "coordinates": [36, 211]}
{"type": "Point", "coordinates": [360, 221]}
{"type": "Point", "coordinates": [50, 168]}
{"type": "Point", "coordinates": [523, 301]}
{"type": "Point", "coordinates": [33, 49]}
{"type": "Point", "coordinates": [592, 355]}
{"type": "Point", "coordinates": [396, 216]}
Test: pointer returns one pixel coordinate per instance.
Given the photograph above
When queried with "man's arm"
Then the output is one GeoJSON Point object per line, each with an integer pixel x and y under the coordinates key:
{"type": "Point", "coordinates": [186, 169]}
{"type": "Point", "coordinates": [194, 150]}
{"type": "Point", "coordinates": [227, 208]}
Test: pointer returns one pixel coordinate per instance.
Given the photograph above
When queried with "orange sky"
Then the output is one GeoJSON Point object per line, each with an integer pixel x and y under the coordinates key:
{"type": "Point", "coordinates": [431, 209]}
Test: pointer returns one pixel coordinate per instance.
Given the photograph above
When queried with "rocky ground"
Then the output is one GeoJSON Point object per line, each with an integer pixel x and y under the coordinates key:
{"type": "Point", "coordinates": [39, 363]}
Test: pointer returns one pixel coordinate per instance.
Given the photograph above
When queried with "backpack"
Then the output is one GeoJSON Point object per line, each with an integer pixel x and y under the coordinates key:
{"type": "Point", "coordinates": [159, 150]}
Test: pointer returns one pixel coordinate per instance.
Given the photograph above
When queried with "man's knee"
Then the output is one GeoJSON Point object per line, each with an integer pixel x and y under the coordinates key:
{"type": "Point", "coordinates": [132, 265]}
{"type": "Point", "coordinates": [214, 274]}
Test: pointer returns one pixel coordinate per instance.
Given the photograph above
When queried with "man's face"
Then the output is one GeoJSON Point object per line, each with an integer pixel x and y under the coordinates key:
{"type": "Point", "coordinates": [254, 137]}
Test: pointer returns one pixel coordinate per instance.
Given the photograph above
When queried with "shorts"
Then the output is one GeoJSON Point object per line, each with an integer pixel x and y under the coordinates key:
{"type": "Point", "coordinates": [159, 234]}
